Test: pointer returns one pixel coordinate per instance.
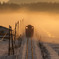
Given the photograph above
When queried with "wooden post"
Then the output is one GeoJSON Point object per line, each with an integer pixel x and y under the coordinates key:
{"type": "Point", "coordinates": [12, 43]}
{"type": "Point", "coordinates": [15, 36]}
{"type": "Point", "coordinates": [15, 31]}
{"type": "Point", "coordinates": [10, 38]}
{"type": "Point", "coordinates": [9, 41]}
{"type": "Point", "coordinates": [18, 28]}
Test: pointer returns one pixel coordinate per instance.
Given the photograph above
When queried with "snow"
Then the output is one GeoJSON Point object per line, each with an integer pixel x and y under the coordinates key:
{"type": "Point", "coordinates": [21, 52]}
{"type": "Point", "coordinates": [3, 48]}
{"type": "Point", "coordinates": [53, 54]}
{"type": "Point", "coordinates": [7, 57]}
{"type": "Point", "coordinates": [36, 50]}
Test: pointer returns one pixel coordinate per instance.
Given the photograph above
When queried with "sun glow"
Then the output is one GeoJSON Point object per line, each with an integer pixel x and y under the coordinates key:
{"type": "Point", "coordinates": [45, 23]}
{"type": "Point", "coordinates": [4, 1]}
{"type": "Point", "coordinates": [50, 35]}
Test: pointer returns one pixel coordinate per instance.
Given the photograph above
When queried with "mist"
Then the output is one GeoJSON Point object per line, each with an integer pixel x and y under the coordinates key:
{"type": "Point", "coordinates": [46, 24]}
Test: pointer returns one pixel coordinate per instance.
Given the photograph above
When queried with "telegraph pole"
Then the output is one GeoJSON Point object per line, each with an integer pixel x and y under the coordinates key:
{"type": "Point", "coordinates": [18, 27]}
{"type": "Point", "coordinates": [9, 40]}
{"type": "Point", "coordinates": [15, 30]}
{"type": "Point", "coordinates": [12, 42]}
{"type": "Point", "coordinates": [11, 48]}
{"type": "Point", "coordinates": [15, 36]}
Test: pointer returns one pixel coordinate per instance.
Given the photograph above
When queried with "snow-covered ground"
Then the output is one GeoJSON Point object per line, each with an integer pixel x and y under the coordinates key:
{"type": "Point", "coordinates": [36, 50]}
{"type": "Point", "coordinates": [21, 52]}
{"type": "Point", "coordinates": [3, 48]}
{"type": "Point", "coordinates": [53, 54]}
{"type": "Point", "coordinates": [55, 47]}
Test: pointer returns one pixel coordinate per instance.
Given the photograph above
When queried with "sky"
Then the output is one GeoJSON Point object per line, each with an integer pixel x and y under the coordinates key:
{"type": "Point", "coordinates": [4, 1]}
{"type": "Point", "coordinates": [28, 1]}
{"type": "Point", "coordinates": [31, 1]}
{"type": "Point", "coordinates": [46, 23]}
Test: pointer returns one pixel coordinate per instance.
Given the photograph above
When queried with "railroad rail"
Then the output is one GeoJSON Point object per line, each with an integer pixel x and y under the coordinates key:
{"type": "Point", "coordinates": [29, 52]}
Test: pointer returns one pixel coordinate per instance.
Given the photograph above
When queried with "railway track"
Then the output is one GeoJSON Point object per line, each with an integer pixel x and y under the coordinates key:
{"type": "Point", "coordinates": [29, 51]}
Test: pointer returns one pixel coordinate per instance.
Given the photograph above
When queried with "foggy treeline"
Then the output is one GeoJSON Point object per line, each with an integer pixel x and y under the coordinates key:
{"type": "Point", "coordinates": [41, 6]}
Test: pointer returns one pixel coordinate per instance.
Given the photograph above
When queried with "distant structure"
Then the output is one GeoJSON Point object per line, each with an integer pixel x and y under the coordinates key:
{"type": "Point", "coordinates": [3, 32]}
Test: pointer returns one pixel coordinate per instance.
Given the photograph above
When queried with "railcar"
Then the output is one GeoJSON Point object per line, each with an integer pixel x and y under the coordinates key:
{"type": "Point", "coordinates": [29, 31]}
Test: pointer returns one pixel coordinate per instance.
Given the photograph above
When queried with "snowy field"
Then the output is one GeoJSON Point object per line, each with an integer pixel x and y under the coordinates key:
{"type": "Point", "coordinates": [51, 50]}
{"type": "Point", "coordinates": [4, 48]}
{"type": "Point", "coordinates": [55, 47]}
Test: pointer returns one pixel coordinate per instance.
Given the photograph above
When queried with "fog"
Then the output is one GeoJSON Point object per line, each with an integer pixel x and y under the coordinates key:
{"type": "Point", "coordinates": [46, 24]}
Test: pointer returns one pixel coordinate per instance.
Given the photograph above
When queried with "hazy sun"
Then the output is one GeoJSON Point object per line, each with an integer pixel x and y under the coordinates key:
{"type": "Point", "coordinates": [4, 1]}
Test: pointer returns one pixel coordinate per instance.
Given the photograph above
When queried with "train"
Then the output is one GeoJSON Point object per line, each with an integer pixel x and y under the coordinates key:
{"type": "Point", "coordinates": [29, 30]}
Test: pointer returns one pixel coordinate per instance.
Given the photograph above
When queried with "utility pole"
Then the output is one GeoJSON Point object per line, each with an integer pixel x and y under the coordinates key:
{"type": "Point", "coordinates": [18, 27]}
{"type": "Point", "coordinates": [21, 26]}
{"type": "Point", "coordinates": [15, 31]}
{"type": "Point", "coordinates": [9, 40]}
{"type": "Point", "coordinates": [12, 43]}
{"type": "Point", "coordinates": [15, 35]}
{"type": "Point", "coordinates": [10, 48]}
